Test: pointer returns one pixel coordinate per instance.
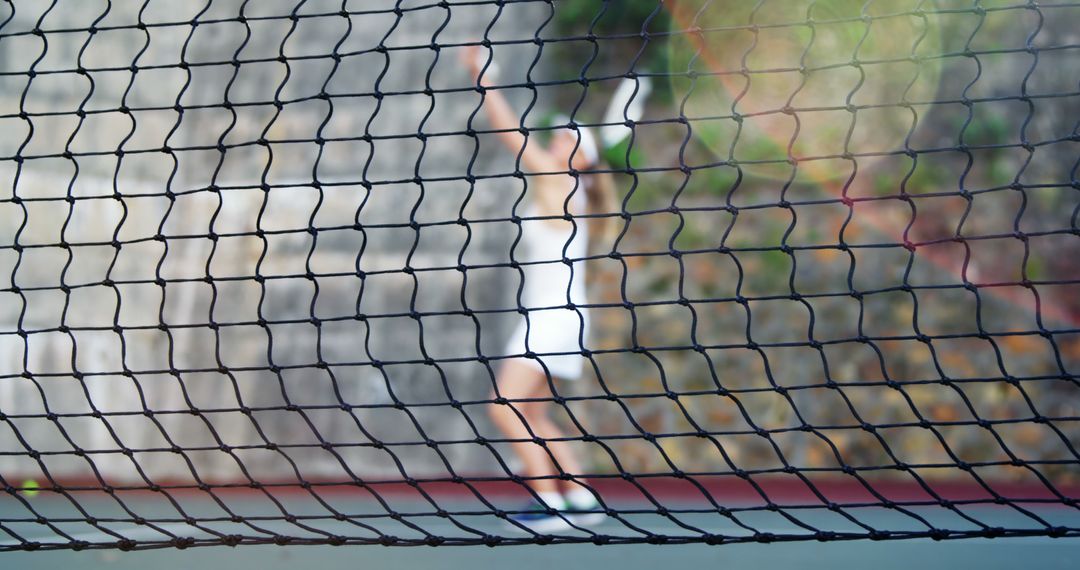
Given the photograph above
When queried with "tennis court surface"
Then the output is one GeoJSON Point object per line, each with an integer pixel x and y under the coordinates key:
{"type": "Point", "coordinates": [685, 522]}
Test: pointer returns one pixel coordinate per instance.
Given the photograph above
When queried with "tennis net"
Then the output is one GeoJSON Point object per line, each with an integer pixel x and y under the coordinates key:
{"type": "Point", "coordinates": [261, 261]}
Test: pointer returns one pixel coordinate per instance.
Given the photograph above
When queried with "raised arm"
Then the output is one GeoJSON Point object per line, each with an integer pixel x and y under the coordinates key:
{"type": "Point", "coordinates": [505, 120]}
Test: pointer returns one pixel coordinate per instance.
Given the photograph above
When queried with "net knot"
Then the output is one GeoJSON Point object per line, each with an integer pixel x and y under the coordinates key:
{"type": "Point", "coordinates": [764, 537]}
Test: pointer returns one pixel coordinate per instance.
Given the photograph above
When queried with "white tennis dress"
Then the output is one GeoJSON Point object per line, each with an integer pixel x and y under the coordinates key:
{"type": "Point", "coordinates": [549, 329]}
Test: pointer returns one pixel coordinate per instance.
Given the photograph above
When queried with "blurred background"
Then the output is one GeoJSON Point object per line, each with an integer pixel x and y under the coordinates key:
{"type": "Point", "coordinates": [788, 153]}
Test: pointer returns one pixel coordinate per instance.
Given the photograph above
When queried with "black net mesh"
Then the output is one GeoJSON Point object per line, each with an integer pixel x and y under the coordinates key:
{"type": "Point", "coordinates": [261, 261]}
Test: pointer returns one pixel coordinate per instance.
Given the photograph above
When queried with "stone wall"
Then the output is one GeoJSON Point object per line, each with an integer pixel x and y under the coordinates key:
{"type": "Point", "coordinates": [185, 302]}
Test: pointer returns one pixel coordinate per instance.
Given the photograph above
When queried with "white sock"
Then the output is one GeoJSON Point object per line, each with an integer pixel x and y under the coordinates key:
{"type": "Point", "coordinates": [551, 499]}
{"type": "Point", "coordinates": [581, 498]}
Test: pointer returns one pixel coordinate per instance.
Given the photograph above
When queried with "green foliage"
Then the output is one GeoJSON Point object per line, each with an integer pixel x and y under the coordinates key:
{"type": "Point", "coordinates": [988, 129]}
{"type": "Point", "coordinates": [1036, 268]}
{"type": "Point", "coordinates": [690, 237]}
{"type": "Point", "coordinates": [616, 156]}
{"type": "Point", "coordinates": [928, 177]}
{"type": "Point", "coordinates": [716, 181]}
{"type": "Point", "coordinates": [767, 272]}
{"type": "Point", "coordinates": [752, 148]}
{"type": "Point", "coordinates": [768, 269]}
{"type": "Point", "coordinates": [606, 18]}
{"type": "Point", "coordinates": [645, 195]}
{"type": "Point", "coordinates": [886, 183]}
{"type": "Point", "coordinates": [616, 16]}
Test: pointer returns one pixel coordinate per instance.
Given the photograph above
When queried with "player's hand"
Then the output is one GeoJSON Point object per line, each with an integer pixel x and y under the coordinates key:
{"type": "Point", "coordinates": [474, 60]}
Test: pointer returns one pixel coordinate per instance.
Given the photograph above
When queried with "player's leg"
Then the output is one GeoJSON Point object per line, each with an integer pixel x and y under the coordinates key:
{"type": "Point", "coordinates": [538, 415]}
{"type": "Point", "coordinates": [518, 380]}
{"type": "Point", "coordinates": [579, 498]}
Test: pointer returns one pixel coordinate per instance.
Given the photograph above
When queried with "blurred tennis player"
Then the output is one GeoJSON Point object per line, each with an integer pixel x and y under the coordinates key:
{"type": "Point", "coordinates": [554, 243]}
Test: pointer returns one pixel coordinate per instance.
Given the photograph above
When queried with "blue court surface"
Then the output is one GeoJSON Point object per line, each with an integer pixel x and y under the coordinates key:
{"type": "Point", "coordinates": [367, 519]}
{"type": "Point", "coordinates": [920, 554]}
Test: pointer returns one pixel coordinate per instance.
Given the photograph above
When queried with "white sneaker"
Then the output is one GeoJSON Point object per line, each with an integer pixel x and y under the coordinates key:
{"type": "Point", "coordinates": [535, 517]}
{"type": "Point", "coordinates": [585, 515]}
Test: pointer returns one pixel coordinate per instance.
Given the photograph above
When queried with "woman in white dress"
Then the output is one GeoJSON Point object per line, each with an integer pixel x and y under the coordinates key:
{"type": "Point", "coordinates": [555, 325]}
